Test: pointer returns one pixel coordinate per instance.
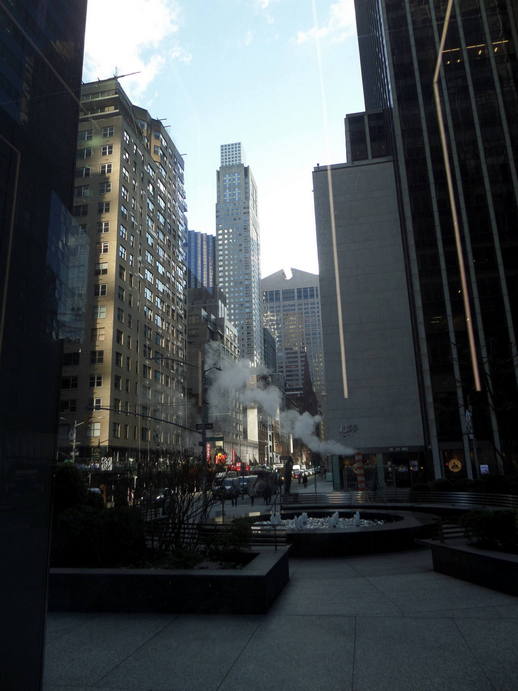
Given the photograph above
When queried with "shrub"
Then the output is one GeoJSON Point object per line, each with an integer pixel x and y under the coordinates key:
{"type": "Point", "coordinates": [492, 529]}
{"type": "Point", "coordinates": [68, 487]}
{"type": "Point", "coordinates": [87, 537]}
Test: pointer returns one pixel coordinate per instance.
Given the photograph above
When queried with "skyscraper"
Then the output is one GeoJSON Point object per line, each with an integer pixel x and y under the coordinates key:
{"type": "Point", "coordinates": [126, 381]}
{"type": "Point", "coordinates": [201, 260]}
{"type": "Point", "coordinates": [237, 233]}
{"type": "Point", "coordinates": [458, 239]}
{"type": "Point", "coordinates": [291, 311]}
{"type": "Point", "coordinates": [40, 77]}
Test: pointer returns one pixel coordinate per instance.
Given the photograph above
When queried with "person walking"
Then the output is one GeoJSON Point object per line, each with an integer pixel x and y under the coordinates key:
{"type": "Point", "coordinates": [305, 480]}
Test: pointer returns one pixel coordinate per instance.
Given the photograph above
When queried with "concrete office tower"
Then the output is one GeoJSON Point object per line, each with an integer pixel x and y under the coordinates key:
{"type": "Point", "coordinates": [123, 389]}
{"type": "Point", "coordinates": [372, 391]}
{"type": "Point", "coordinates": [201, 260]}
{"type": "Point", "coordinates": [399, 42]}
{"type": "Point", "coordinates": [40, 75]}
{"type": "Point", "coordinates": [237, 233]}
{"type": "Point", "coordinates": [291, 311]}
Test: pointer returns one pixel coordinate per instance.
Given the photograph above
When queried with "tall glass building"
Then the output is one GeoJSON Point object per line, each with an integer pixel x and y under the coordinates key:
{"type": "Point", "coordinates": [468, 390]}
{"type": "Point", "coordinates": [40, 77]}
{"type": "Point", "coordinates": [237, 233]}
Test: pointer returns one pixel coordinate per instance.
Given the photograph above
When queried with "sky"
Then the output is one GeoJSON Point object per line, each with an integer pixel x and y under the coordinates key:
{"type": "Point", "coordinates": [278, 76]}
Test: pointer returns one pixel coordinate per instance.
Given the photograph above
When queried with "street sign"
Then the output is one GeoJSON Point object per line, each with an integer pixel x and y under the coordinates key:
{"type": "Point", "coordinates": [204, 425]}
{"type": "Point", "coordinates": [215, 439]}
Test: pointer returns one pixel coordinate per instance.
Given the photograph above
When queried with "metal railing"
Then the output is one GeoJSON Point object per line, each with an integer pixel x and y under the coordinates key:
{"type": "Point", "coordinates": [460, 500]}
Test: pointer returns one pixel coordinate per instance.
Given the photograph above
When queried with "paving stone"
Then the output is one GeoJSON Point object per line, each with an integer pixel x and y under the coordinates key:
{"type": "Point", "coordinates": [303, 653]}
{"type": "Point", "coordinates": [86, 654]}
{"type": "Point", "coordinates": [414, 654]}
{"type": "Point", "coordinates": [193, 653]}
{"type": "Point", "coordinates": [495, 645]}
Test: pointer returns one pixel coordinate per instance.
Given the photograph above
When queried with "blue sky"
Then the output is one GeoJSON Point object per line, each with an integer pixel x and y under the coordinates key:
{"type": "Point", "coordinates": [277, 75]}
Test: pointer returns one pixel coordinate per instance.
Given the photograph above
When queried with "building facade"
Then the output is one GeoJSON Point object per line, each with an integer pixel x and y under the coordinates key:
{"type": "Point", "coordinates": [291, 312]}
{"type": "Point", "coordinates": [238, 249]}
{"type": "Point", "coordinates": [40, 78]}
{"type": "Point", "coordinates": [201, 260]}
{"type": "Point", "coordinates": [212, 342]}
{"type": "Point", "coordinates": [469, 380]}
{"type": "Point", "coordinates": [372, 387]}
{"type": "Point", "coordinates": [122, 391]}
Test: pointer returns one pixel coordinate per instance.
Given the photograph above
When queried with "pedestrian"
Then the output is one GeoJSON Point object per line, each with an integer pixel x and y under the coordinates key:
{"type": "Point", "coordinates": [305, 480]}
{"type": "Point", "coordinates": [235, 496]}
{"type": "Point", "coordinates": [267, 494]}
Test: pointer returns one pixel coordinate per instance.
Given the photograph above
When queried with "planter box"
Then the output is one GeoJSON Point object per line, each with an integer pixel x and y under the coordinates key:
{"type": "Point", "coordinates": [496, 570]}
{"type": "Point", "coordinates": [250, 590]}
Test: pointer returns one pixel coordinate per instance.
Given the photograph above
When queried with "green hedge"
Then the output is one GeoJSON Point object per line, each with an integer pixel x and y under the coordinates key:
{"type": "Point", "coordinates": [492, 529]}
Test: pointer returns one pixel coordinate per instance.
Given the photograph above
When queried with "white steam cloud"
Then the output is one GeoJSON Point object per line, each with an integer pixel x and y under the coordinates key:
{"type": "Point", "coordinates": [229, 380]}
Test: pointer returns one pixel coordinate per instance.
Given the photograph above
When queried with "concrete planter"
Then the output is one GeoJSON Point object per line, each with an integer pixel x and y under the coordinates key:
{"type": "Point", "coordinates": [496, 570]}
{"type": "Point", "coordinates": [250, 590]}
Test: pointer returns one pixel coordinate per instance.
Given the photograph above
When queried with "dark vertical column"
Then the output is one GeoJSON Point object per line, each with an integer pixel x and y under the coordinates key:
{"type": "Point", "coordinates": [42, 42]}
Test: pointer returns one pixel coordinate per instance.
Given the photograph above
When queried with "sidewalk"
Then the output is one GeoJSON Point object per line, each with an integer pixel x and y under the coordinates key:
{"type": "Point", "coordinates": [365, 623]}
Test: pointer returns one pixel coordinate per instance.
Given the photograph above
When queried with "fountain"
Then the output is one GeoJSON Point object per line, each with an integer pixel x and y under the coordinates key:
{"type": "Point", "coordinates": [305, 522]}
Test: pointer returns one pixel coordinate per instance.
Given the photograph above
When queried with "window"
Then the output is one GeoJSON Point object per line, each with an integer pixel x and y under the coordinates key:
{"type": "Point", "coordinates": [93, 429]}
{"type": "Point", "coordinates": [117, 382]}
{"type": "Point", "coordinates": [83, 172]}
{"type": "Point", "coordinates": [103, 207]}
{"type": "Point", "coordinates": [68, 406]}
{"type": "Point", "coordinates": [96, 357]}
{"type": "Point", "coordinates": [116, 429]}
{"type": "Point", "coordinates": [105, 187]}
{"type": "Point", "coordinates": [99, 311]}
{"type": "Point", "coordinates": [95, 403]}
{"type": "Point", "coordinates": [122, 252]}
{"type": "Point", "coordinates": [102, 247]}
{"type": "Point", "coordinates": [95, 380]}
{"type": "Point", "coordinates": [119, 337]}
{"type": "Point", "coordinates": [122, 273]}
{"type": "Point", "coordinates": [103, 226]}
{"type": "Point", "coordinates": [148, 294]}
{"type": "Point", "coordinates": [120, 314]}
{"type": "Point", "coordinates": [84, 135]}
{"type": "Point", "coordinates": [124, 193]}
{"type": "Point", "coordinates": [71, 359]}
{"type": "Point", "coordinates": [106, 168]}
{"type": "Point", "coordinates": [80, 210]}
{"type": "Point", "coordinates": [125, 137]}
{"type": "Point", "coordinates": [107, 150]}
{"type": "Point", "coordinates": [123, 232]}
{"type": "Point", "coordinates": [69, 382]}
{"type": "Point", "coordinates": [101, 269]}
{"type": "Point", "coordinates": [100, 289]}
{"type": "Point", "coordinates": [84, 153]}
{"type": "Point", "coordinates": [121, 293]}
{"type": "Point", "coordinates": [118, 359]}
{"type": "Point", "coordinates": [124, 212]}
{"type": "Point", "coordinates": [82, 191]}
{"type": "Point", "coordinates": [108, 131]}
{"type": "Point", "coordinates": [97, 334]}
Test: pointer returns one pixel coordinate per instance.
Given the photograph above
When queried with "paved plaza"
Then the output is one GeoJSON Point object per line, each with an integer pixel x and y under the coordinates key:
{"type": "Point", "coordinates": [364, 623]}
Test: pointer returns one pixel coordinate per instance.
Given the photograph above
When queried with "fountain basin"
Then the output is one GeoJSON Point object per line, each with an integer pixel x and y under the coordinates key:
{"type": "Point", "coordinates": [398, 531]}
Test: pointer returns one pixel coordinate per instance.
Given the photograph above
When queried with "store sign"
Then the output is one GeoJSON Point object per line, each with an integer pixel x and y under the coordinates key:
{"type": "Point", "coordinates": [455, 465]}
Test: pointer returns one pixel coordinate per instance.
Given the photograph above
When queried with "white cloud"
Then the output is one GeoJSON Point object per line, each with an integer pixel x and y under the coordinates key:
{"type": "Point", "coordinates": [340, 25]}
{"type": "Point", "coordinates": [249, 37]}
{"type": "Point", "coordinates": [128, 36]}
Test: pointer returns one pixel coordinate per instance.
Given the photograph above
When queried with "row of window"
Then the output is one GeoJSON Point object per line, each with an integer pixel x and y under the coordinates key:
{"type": "Point", "coordinates": [87, 135]}
{"type": "Point", "coordinates": [85, 171]}
{"type": "Point", "coordinates": [87, 151]}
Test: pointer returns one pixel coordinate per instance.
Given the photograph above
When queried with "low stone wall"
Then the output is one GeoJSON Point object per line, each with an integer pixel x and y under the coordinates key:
{"type": "Point", "coordinates": [250, 590]}
{"type": "Point", "coordinates": [496, 570]}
